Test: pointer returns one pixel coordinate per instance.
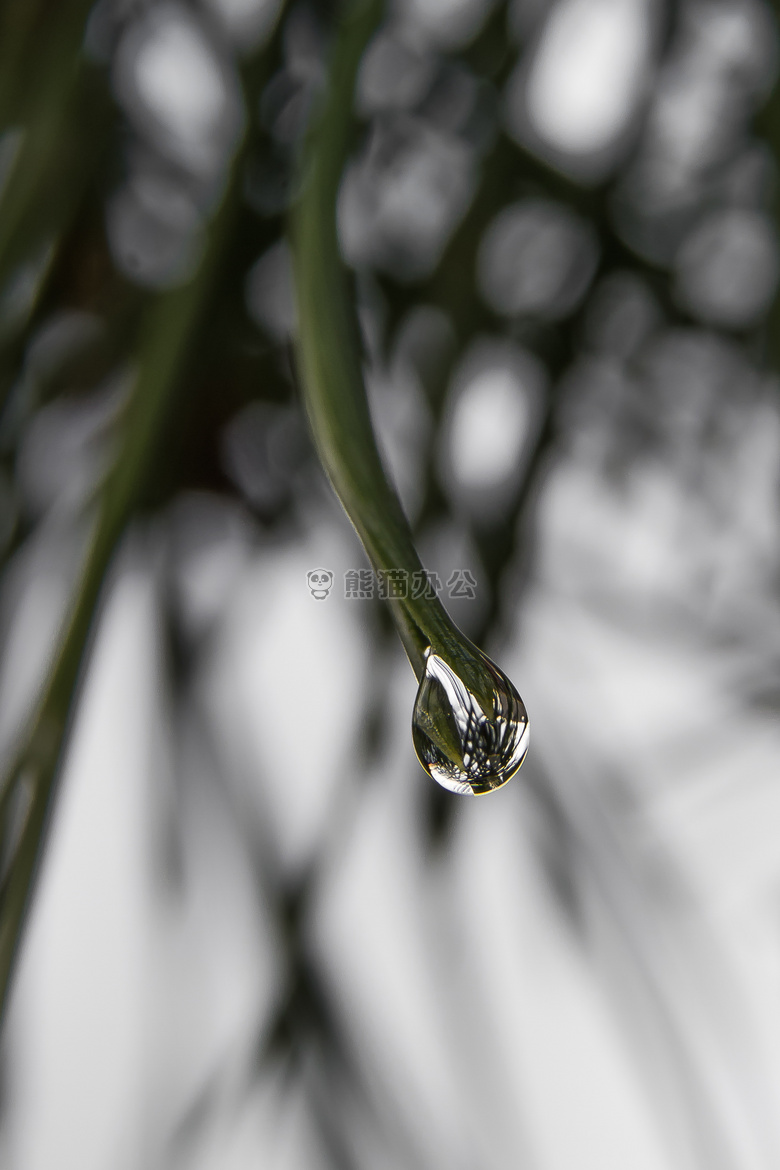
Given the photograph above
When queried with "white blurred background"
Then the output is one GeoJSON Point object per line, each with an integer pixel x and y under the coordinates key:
{"type": "Point", "coordinates": [259, 937]}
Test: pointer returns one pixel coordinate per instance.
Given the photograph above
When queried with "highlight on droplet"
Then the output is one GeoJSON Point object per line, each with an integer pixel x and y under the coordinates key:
{"type": "Point", "coordinates": [470, 736]}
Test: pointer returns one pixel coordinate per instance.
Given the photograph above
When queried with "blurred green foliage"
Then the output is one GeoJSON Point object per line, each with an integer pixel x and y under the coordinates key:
{"type": "Point", "coordinates": [193, 359]}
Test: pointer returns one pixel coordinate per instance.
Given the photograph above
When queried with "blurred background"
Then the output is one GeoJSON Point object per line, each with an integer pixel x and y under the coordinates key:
{"type": "Point", "coordinates": [261, 935]}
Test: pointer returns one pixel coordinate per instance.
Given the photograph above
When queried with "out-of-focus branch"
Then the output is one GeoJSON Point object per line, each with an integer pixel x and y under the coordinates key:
{"type": "Point", "coordinates": [27, 788]}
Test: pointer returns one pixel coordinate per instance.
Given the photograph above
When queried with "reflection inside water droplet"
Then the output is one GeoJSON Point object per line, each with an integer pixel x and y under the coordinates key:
{"type": "Point", "coordinates": [470, 729]}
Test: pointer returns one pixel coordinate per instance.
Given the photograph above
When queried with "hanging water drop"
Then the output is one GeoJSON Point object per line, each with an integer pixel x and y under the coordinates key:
{"type": "Point", "coordinates": [470, 726]}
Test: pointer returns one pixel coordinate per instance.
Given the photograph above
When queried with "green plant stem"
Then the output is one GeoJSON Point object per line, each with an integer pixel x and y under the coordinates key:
{"type": "Point", "coordinates": [28, 785]}
{"type": "Point", "coordinates": [329, 353]}
{"type": "Point", "coordinates": [169, 339]}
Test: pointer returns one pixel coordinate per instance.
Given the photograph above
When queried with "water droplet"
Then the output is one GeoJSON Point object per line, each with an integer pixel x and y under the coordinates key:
{"type": "Point", "coordinates": [470, 726]}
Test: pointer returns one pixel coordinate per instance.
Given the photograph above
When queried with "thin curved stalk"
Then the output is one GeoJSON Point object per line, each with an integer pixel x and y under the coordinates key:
{"type": "Point", "coordinates": [29, 782]}
{"type": "Point", "coordinates": [167, 340]}
{"type": "Point", "coordinates": [470, 726]}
